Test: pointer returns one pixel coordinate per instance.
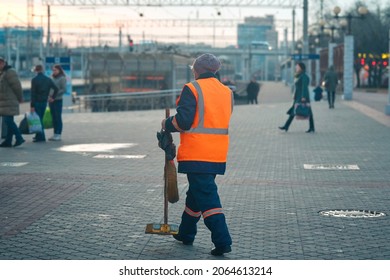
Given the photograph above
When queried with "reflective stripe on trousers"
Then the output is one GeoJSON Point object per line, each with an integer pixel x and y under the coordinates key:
{"type": "Point", "coordinates": [202, 197]}
{"type": "Point", "coordinates": [205, 214]}
{"type": "Point", "coordinates": [192, 213]}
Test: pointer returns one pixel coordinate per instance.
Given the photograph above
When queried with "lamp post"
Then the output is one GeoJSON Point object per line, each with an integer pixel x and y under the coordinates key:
{"type": "Point", "coordinates": [313, 66]}
{"type": "Point", "coordinates": [316, 48]}
{"type": "Point", "coordinates": [349, 50]}
{"type": "Point", "coordinates": [331, 28]}
{"type": "Point", "coordinates": [331, 43]}
{"type": "Point", "coordinates": [362, 11]}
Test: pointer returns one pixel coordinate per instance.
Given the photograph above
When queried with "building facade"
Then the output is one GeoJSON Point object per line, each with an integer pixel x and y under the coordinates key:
{"type": "Point", "coordinates": [258, 33]}
{"type": "Point", "coordinates": [21, 46]}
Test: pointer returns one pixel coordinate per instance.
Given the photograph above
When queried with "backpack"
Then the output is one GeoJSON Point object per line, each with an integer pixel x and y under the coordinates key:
{"type": "Point", "coordinates": [317, 93]}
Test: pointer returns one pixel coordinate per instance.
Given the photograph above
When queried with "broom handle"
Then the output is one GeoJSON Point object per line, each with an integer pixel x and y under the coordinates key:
{"type": "Point", "coordinates": [166, 181]}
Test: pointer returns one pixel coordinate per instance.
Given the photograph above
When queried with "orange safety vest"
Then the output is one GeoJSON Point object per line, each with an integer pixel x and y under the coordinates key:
{"type": "Point", "coordinates": [208, 138]}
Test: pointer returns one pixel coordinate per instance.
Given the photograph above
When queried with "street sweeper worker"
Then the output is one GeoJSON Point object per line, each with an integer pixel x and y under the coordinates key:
{"type": "Point", "coordinates": [202, 118]}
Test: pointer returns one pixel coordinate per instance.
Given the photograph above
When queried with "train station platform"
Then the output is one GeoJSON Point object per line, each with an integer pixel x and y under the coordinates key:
{"type": "Point", "coordinates": [286, 195]}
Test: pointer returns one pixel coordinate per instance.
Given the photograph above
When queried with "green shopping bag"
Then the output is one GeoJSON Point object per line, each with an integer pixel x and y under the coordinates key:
{"type": "Point", "coordinates": [47, 119]}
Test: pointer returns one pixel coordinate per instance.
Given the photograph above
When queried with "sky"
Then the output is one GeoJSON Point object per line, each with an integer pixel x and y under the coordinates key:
{"type": "Point", "coordinates": [84, 26]}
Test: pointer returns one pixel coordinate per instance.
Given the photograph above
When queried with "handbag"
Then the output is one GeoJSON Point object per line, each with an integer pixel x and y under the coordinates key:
{"type": "Point", "coordinates": [318, 93]}
{"type": "Point", "coordinates": [302, 111]}
{"type": "Point", "coordinates": [47, 119]}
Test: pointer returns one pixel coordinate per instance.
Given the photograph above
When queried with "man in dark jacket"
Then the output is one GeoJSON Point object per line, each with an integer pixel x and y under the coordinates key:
{"type": "Point", "coordinates": [331, 80]}
{"type": "Point", "coordinates": [253, 91]}
{"type": "Point", "coordinates": [10, 97]}
{"type": "Point", "coordinates": [41, 86]}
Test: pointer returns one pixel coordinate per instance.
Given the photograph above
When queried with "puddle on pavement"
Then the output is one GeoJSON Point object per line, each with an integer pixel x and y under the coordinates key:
{"type": "Point", "coordinates": [13, 164]}
{"type": "Point", "coordinates": [96, 147]}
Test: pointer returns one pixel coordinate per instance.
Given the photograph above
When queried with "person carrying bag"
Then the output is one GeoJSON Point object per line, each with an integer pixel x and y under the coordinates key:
{"type": "Point", "coordinates": [301, 108]}
{"type": "Point", "coordinates": [41, 86]}
{"type": "Point", "coordinates": [11, 95]}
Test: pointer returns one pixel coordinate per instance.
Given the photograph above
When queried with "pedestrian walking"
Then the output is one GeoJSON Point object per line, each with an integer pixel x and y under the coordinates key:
{"type": "Point", "coordinates": [301, 95]}
{"type": "Point", "coordinates": [11, 95]}
{"type": "Point", "coordinates": [204, 108]}
{"type": "Point", "coordinates": [330, 81]}
{"type": "Point", "coordinates": [40, 90]}
{"type": "Point", "coordinates": [59, 79]}
{"type": "Point", "coordinates": [253, 91]}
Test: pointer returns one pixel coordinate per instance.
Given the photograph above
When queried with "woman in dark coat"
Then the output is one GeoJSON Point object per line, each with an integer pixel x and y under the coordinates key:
{"type": "Point", "coordinates": [301, 94]}
{"type": "Point", "coordinates": [11, 95]}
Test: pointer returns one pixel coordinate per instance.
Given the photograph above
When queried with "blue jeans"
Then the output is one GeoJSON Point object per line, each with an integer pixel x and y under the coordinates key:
{"type": "Point", "coordinates": [40, 108]}
{"type": "Point", "coordinates": [56, 114]}
{"type": "Point", "coordinates": [12, 130]}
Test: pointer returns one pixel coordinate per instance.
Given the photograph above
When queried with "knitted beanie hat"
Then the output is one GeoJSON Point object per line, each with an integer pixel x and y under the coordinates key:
{"type": "Point", "coordinates": [206, 63]}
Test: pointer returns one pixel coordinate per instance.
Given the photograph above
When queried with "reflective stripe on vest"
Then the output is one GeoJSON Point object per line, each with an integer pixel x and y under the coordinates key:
{"type": "Point", "coordinates": [200, 128]}
{"type": "Point", "coordinates": [192, 213]}
{"type": "Point", "coordinates": [211, 212]}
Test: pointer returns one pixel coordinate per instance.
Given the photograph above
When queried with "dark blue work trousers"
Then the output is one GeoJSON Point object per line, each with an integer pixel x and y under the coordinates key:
{"type": "Point", "coordinates": [203, 199]}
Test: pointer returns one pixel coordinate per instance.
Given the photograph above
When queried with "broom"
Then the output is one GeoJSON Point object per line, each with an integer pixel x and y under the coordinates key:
{"type": "Point", "coordinates": [170, 175]}
{"type": "Point", "coordinates": [171, 194]}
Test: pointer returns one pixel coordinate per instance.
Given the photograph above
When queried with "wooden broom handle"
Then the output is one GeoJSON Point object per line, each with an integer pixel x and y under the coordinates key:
{"type": "Point", "coordinates": [166, 181]}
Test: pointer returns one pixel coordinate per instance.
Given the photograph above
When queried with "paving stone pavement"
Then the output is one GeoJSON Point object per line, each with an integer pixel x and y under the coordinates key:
{"type": "Point", "coordinates": [72, 205]}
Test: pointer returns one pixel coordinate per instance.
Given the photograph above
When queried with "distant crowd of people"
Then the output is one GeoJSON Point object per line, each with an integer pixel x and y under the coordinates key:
{"type": "Point", "coordinates": [45, 92]}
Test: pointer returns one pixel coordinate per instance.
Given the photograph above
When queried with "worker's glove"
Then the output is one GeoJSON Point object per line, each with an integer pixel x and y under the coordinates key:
{"type": "Point", "coordinates": [165, 142]}
{"type": "Point", "coordinates": [164, 139]}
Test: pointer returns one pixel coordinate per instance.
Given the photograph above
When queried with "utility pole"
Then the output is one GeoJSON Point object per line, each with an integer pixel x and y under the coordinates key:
{"type": "Point", "coordinates": [305, 42]}
{"type": "Point", "coordinates": [120, 38]}
{"type": "Point", "coordinates": [305, 27]}
{"type": "Point", "coordinates": [48, 31]}
{"type": "Point", "coordinates": [29, 43]}
{"type": "Point", "coordinates": [293, 47]}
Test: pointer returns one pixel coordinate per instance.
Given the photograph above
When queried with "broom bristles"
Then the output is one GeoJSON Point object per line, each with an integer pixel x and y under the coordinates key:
{"type": "Point", "coordinates": [171, 181]}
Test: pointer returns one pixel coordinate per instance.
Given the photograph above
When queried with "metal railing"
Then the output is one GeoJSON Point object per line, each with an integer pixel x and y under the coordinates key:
{"type": "Point", "coordinates": [109, 102]}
